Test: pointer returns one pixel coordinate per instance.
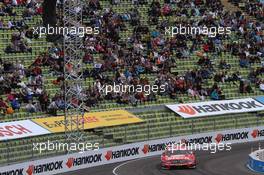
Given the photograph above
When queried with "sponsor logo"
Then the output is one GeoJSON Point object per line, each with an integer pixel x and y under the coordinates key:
{"type": "Point", "coordinates": [30, 170]}
{"type": "Point", "coordinates": [219, 138]}
{"type": "Point", "coordinates": [83, 160]}
{"type": "Point", "coordinates": [257, 133]}
{"type": "Point", "coordinates": [156, 147]}
{"type": "Point", "coordinates": [108, 155]}
{"type": "Point", "coordinates": [48, 167]}
{"type": "Point", "coordinates": [13, 172]}
{"type": "Point", "coordinates": [69, 163]}
{"type": "Point", "coordinates": [11, 130]}
{"type": "Point", "coordinates": [145, 150]}
{"type": "Point", "coordinates": [153, 148]}
{"type": "Point", "coordinates": [122, 153]}
{"type": "Point", "coordinates": [187, 110]}
{"type": "Point", "coordinates": [192, 110]}
{"type": "Point", "coordinates": [232, 136]}
{"type": "Point", "coordinates": [62, 123]}
{"type": "Point", "coordinates": [200, 140]}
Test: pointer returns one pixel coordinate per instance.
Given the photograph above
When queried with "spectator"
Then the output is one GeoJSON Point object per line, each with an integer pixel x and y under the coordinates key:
{"type": "Point", "coordinates": [31, 108]}
{"type": "Point", "coordinates": [261, 86]}
{"type": "Point", "coordinates": [223, 65]}
{"type": "Point", "coordinates": [15, 104]}
{"type": "Point", "coordinates": [52, 108]}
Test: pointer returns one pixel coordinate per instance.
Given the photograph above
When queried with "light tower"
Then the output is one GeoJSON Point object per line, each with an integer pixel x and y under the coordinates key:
{"type": "Point", "coordinates": [73, 68]}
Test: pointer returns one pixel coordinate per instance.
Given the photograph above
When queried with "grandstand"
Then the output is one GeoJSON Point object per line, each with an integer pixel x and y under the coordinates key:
{"type": "Point", "coordinates": [159, 122]}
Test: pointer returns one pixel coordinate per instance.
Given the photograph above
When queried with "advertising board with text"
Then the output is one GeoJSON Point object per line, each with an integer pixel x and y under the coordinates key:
{"type": "Point", "coordinates": [90, 120]}
{"type": "Point", "coordinates": [213, 108]}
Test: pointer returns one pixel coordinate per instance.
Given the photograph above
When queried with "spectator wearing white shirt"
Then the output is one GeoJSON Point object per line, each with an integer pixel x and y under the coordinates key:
{"type": "Point", "coordinates": [261, 85]}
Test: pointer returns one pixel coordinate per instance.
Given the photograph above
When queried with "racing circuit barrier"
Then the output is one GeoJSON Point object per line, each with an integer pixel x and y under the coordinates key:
{"type": "Point", "coordinates": [256, 161]}
{"type": "Point", "coordinates": [126, 152]}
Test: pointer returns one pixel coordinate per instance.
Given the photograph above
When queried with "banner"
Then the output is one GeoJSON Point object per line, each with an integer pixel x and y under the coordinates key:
{"type": "Point", "coordinates": [20, 129]}
{"type": "Point", "coordinates": [209, 108]}
{"type": "Point", "coordinates": [76, 161]}
{"type": "Point", "coordinates": [260, 99]}
{"type": "Point", "coordinates": [90, 120]}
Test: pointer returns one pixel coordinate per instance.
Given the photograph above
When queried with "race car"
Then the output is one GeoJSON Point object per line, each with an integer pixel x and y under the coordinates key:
{"type": "Point", "coordinates": [180, 157]}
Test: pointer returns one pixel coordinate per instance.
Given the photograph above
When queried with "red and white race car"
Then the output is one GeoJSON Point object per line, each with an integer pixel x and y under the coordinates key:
{"type": "Point", "coordinates": [178, 157]}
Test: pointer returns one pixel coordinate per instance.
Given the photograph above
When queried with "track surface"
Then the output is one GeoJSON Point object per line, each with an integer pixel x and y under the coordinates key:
{"type": "Point", "coordinates": [231, 162]}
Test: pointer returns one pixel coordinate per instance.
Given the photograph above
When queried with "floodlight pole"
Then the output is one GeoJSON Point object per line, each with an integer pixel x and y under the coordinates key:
{"type": "Point", "coordinates": [73, 79]}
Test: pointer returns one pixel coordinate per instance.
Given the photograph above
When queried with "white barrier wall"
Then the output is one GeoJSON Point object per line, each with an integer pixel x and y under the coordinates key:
{"type": "Point", "coordinates": [109, 155]}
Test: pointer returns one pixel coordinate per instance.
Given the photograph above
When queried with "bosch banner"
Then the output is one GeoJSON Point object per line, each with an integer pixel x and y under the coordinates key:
{"type": "Point", "coordinates": [212, 108]}
{"type": "Point", "coordinates": [20, 129]}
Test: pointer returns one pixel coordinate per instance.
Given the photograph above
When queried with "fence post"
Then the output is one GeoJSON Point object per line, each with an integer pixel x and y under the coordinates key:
{"type": "Point", "coordinates": [103, 138]}
{"type": "Point", "coordinates": [32, 154]}
{"type": "Point", "coordinates": [8, 151]}
{"type": "Point", "coordinates": [170, 129]}
{"type": "Point", "coordinates": [148, 129]}
{"type": "Point", "coordinates": [58, 143]}
{"type": "Point", "coordinates": [192, 127]}
{"type": "Point", "coordinates": [125, 133]}
{"type": "Point", "coordinates": [214, 125]}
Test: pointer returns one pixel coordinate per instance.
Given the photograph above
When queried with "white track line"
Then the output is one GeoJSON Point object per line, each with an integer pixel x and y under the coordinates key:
{"type": "Point", "coordinates": [122, 164]}
{"type": "Point", "coordinates": [130, 161]}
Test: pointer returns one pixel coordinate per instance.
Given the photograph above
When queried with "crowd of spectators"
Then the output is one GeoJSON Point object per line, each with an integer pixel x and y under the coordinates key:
{"type": "Point", "coordinates": [253, 8]}
{"type": "Point", "coordinates": [20, 41]}
{"type": "Point", "coordinates": [153, 53]}
{"type": "Point", "coordinates": [146, 57]}
{"type": "Point", "coordinates": [256, 9]}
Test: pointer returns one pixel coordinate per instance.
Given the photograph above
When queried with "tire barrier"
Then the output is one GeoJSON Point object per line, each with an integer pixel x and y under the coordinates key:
{"type": "Point", "coordinates": [256, 161]}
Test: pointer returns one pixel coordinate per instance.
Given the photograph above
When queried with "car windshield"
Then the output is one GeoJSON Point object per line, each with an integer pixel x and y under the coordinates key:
{"type": "Point", "coordinates": [176, 152]}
